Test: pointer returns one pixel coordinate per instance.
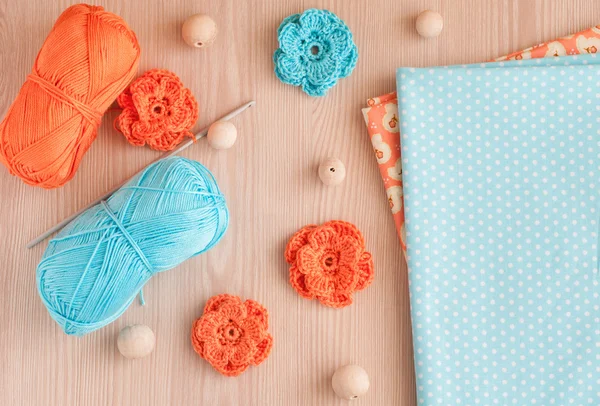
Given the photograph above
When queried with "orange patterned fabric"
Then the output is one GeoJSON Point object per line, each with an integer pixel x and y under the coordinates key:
{"type": "Point", "coordinates": [232, 335]}
{"type": "Point", "coordinates": [329, 263]}
{"type": "Point", "coordinates": [381, 118]}
{"type": "Point", "coordinates": [157, 110]}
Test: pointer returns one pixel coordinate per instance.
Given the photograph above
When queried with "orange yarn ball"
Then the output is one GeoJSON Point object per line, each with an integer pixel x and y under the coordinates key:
{"type": "Point", "coordinates": [87, 60]}
{"type": "Point", "coordinates": [158, 110]}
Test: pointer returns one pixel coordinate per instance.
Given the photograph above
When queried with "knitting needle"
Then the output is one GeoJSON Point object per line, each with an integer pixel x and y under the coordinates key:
{"type": "Point", "coordinates": [177, 150]}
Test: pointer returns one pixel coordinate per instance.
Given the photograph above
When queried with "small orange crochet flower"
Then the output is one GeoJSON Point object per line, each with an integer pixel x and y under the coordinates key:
{"type": "Point", "coordinates": [329, 262]}
{"type": "Point", "coordinates": [157, 110]}
{"type": "Point", "coordinates": [232, 335]}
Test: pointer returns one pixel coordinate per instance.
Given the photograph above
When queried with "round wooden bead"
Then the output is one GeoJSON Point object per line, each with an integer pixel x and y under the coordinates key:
{"type": "Point", "coordinates": [429, 24]}
{"type": "Point", "coordinates": [350, 382]}
{"type": "Point", "coordinates": [136, 341]}
{"type": "Point", "coordinates": [332, 172]}
{"type": "Point", "coordinates": [199, 30]}
{"type": "Point", "coordinates": [221, 135]}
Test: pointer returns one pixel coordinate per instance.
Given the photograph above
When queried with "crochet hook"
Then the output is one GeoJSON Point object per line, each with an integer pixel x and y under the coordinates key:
{"type": "Point", "coordinates": [177, 150]}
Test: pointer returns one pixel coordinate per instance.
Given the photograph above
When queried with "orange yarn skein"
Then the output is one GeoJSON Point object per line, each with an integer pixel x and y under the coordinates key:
{"type": "Point", "coordinates": [87, 60]}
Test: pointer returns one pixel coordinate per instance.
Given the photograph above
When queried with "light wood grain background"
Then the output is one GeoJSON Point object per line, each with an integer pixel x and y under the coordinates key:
{"type": "Point", "coordinates": [270, 180]}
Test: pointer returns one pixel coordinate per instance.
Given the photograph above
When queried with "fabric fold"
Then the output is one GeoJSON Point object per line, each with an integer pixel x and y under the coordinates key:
{"type": "Point", "coordinates": [381, 118]}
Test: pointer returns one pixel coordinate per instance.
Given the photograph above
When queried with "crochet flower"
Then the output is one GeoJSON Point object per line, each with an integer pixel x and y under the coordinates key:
{"type": "Point", "coordinates": [315, 50]}
{"type": "Point", "coordinates": [329, 263]}
{"type": "Point", "coordinates": [157, 110]}
{"type": "Point", "coordinates": [232, 335]}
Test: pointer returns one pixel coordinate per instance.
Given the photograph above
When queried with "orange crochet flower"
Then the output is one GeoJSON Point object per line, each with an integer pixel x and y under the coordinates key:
{"type": "Point", "coordinates": [157, 110]}
{"type": "Point", "coordinates": [329, 262]}
{"type": "Point", "coordinates": [232, 335]}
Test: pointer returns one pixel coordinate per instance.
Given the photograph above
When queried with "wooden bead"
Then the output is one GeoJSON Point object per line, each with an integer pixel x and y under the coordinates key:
{"type": "Point", "coordinates": [199, 31]}
{"type": "Point", "coordinates": [332, 172]}
{"type": "Point", "coordinates": [136, 341]}
{"type": "Point", "coordinates": [221, 135]}
{"type": "Point", "coordinates": [350, 382]}
{"type": "Point", "coordinates": [429, 24]}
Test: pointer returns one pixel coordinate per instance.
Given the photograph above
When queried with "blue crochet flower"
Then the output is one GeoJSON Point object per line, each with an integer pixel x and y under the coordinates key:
{"type": "Point", "coordinates": [315, 50]}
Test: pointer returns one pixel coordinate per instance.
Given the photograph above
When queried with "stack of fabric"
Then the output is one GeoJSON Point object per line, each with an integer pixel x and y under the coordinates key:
{"type": "Point", "coordinates": [383, 127]}
{"type": "Point", "coordinates": [494, 187]}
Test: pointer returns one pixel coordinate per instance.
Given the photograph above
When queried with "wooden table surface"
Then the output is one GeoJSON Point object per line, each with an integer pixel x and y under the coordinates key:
{"type": "Point", "coordinates": [269, 178]}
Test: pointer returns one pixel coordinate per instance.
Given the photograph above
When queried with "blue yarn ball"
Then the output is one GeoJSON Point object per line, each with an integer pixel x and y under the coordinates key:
{"type": "Point", "coordinates": [95, 267]}
{"type": "Point", "coordinates": [315, 50]}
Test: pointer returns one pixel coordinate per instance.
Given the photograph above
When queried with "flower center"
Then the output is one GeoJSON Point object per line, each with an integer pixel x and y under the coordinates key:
{"type": "Point", "coordinates": [158, 109]}
{"type": "Point", "coordinates": [329, 262]}
{"type": "Point", "coordinates": [316, 48]}
{"type": "Point", "coordinates": [229, 333]}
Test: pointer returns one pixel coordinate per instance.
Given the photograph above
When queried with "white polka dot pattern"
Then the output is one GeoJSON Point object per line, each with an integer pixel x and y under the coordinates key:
{"type": "Point", "coordinates": [501, 170]}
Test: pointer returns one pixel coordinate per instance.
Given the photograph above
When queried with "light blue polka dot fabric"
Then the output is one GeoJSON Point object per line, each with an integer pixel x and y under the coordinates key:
{"type": "Point", "coordinates": [502, 180]}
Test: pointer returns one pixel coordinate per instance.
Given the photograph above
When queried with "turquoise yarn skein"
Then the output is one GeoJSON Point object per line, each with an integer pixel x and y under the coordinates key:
{"type": "Point", "coordinates": [95, 267]}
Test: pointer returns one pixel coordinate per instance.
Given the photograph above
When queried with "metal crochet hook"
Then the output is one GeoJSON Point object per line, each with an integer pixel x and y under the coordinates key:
{"type": "Point", "coordinates": [177, 150]}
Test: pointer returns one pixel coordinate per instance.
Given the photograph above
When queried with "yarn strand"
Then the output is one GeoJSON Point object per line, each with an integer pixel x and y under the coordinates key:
{"type": "Point", "coordinates": [94, 117]}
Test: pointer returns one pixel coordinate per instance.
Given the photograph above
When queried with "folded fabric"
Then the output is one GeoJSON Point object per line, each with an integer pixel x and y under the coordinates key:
{"type": "Point", "coordinates": [381, 117]}
{"type": "Point", "coordinates": [501, 171]}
